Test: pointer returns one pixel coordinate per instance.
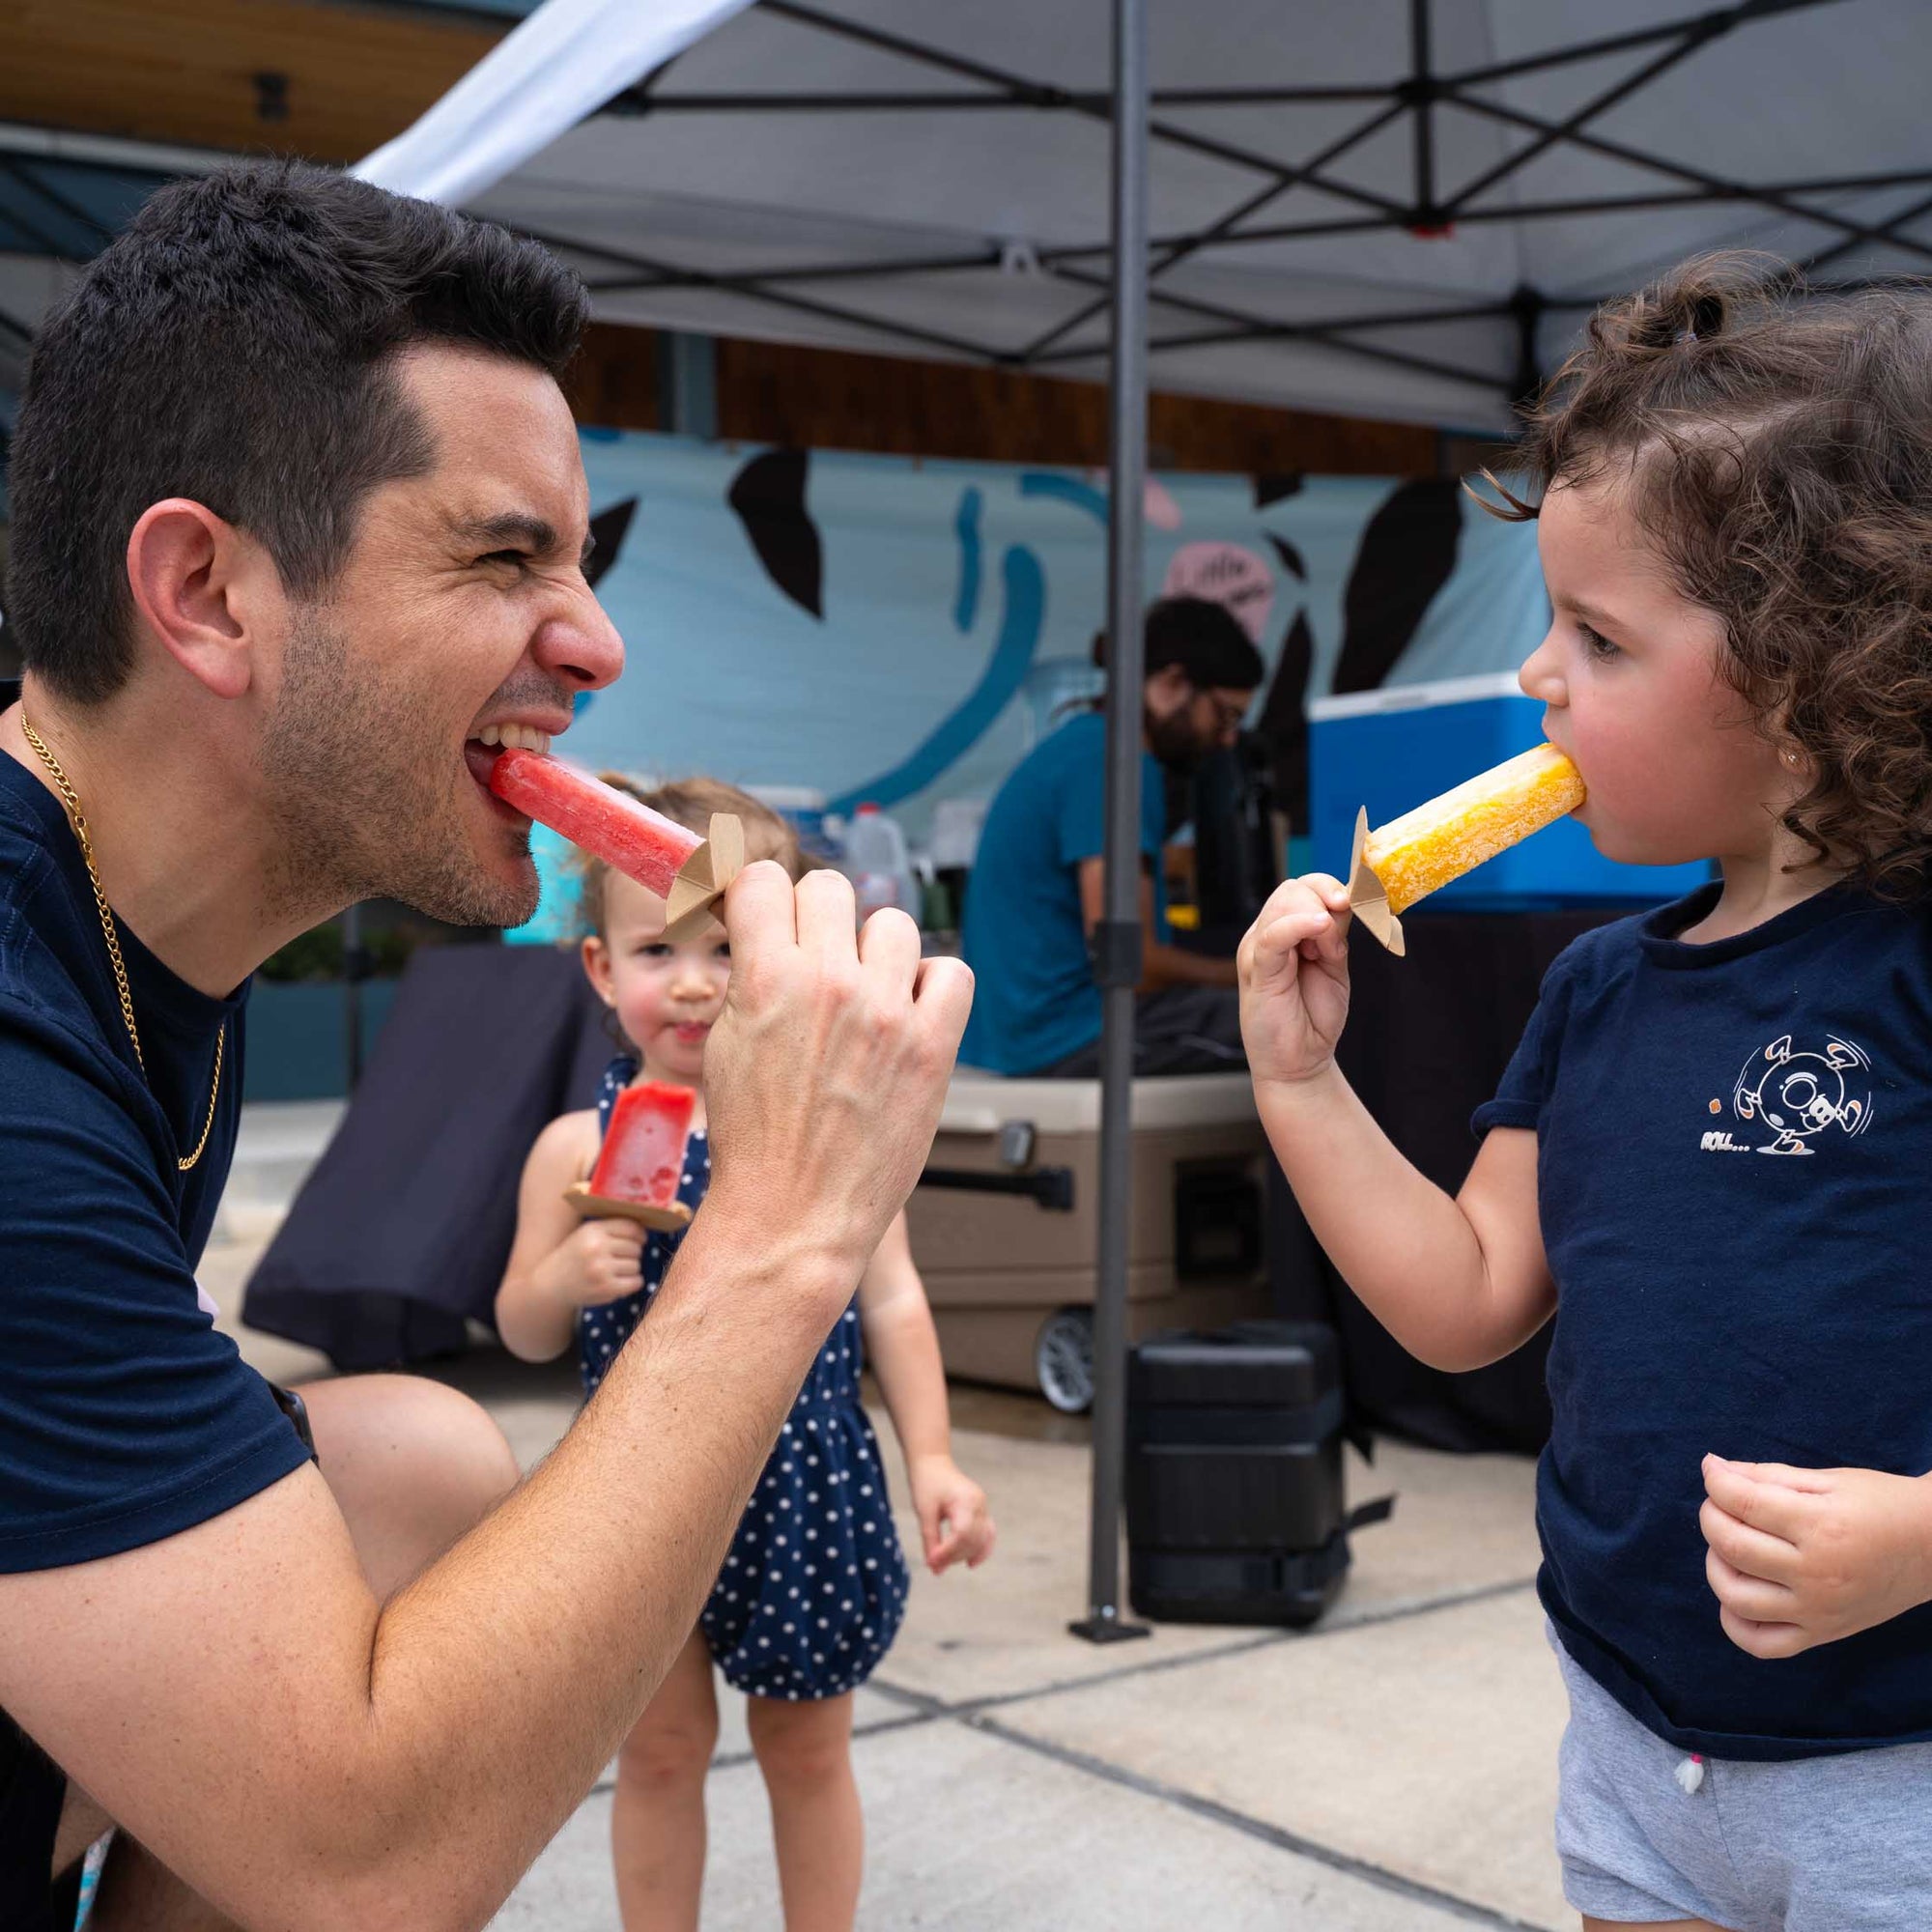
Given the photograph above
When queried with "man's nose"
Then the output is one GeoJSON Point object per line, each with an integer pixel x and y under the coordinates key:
{"type": "Point", "coordinates": [580, 645]}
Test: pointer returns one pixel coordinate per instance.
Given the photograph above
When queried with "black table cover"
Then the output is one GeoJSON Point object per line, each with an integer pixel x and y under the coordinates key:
{"type": "Point", "coordinates": [403, 1229]}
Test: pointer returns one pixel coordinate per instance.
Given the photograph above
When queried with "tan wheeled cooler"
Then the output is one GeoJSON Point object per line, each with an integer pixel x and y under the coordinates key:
{"type": "Point", "coordinates": [1006, 1233]}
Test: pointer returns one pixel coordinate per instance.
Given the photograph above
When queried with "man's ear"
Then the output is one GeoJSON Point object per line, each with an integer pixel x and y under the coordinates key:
{"type": "Point", "coordinates": [208, 591]}
{"type": "Point", "coordinates": [1168, 690]}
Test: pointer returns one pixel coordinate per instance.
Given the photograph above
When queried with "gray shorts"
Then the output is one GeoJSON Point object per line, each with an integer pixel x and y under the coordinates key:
{"type": "Point", "coordinates": [1818, 1844]}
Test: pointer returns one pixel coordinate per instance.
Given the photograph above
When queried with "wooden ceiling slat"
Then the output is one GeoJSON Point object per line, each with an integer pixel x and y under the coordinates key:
{"type": "Point", "coordinates": [183, 71]}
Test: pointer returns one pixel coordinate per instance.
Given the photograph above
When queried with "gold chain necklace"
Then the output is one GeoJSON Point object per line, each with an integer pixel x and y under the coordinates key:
{"type": "Point", "coordinates": [71, 799]}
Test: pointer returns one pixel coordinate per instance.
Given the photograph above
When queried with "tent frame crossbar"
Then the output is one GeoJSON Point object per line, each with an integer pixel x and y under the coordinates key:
{"type": "Point", "coordinates": [1420, 96]}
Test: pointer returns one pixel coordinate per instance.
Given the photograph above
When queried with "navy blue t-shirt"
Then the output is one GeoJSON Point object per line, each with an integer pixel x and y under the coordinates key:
{"type": "Point", "coordinates": [1034, 998]}
{"type": "Point", "coordinates": [124, 1416]}
{"type": "Point", "coordinates": [1734, 1171]}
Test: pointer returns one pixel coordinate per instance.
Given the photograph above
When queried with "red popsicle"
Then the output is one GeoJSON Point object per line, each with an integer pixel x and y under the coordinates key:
{"type": "Point", "coordinates": [641, 1162]}
{"type": "Point", "coordinates": [642, 843]}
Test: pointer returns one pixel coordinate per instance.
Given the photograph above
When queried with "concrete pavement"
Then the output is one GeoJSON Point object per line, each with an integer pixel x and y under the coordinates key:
{"type": "Point", "coordinates": [1393, 1770]}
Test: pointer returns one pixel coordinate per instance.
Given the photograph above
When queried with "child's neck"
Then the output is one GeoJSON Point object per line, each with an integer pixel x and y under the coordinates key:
{"type": "Point", "coordinates": [1758, 885]}
{"type": "Point", "coordinates": [648, 1071]}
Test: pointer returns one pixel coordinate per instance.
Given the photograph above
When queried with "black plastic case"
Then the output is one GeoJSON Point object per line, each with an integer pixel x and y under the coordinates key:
{"type": "Point", "coordinates": [1233, 1482]}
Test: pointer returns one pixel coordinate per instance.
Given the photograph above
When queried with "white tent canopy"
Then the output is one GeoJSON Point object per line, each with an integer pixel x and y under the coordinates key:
{"type": "Point", "coordinates": [912, 176]}
{"type": "Point", "coordinates": [1379, 210]}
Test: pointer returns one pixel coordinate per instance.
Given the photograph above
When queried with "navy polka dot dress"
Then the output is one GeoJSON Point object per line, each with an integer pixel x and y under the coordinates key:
{"type": "Point", "coordinates": [814, 1588]}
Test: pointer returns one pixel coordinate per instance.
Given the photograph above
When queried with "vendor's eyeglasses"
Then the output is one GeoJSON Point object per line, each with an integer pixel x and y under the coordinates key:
{"type": "Point", "coordinates": [1227, 713]}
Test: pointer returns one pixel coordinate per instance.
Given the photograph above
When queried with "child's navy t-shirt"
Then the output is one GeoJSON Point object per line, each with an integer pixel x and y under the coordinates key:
{"type": "Point", "coordinates": [1734, 1172]}
{"type": "Point", "coordinates": [125, 1417]}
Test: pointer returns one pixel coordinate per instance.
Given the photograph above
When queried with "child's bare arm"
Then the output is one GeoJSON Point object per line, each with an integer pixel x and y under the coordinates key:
{"type": "Point", "coordinates": [558, 1262]}
{"type": "Point", "coordinates": [1458, 1282]}
{"type": "Point", "coordinates": [903, 1346]}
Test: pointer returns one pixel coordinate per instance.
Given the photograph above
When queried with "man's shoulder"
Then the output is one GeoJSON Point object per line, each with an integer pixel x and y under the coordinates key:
{"type": "Point", "coordinates": [45, 1013]}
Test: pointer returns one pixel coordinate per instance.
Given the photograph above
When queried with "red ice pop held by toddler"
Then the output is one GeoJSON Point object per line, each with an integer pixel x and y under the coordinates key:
{"type": "Point", "coordinates": [688, 873]}
{"type": "Point", "coordinates": [641, 1161]}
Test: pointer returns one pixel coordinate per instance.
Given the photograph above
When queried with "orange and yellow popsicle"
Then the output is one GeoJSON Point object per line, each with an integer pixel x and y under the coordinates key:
{"type": "Point", "coordinates": [1414, 855]}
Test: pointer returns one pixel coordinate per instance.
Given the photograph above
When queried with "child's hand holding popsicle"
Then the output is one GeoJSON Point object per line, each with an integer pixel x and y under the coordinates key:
{"type": "Point", "coordinates": [1294, 964]}
{"type": "Point", "coordinates": [602, 1261]}
{"type": "Point", "coordinates": [1293, 977]}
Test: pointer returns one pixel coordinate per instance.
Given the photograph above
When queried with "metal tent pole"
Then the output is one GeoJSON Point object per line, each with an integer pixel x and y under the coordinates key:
{"type": "Point", "coordinates": [1116, 939]}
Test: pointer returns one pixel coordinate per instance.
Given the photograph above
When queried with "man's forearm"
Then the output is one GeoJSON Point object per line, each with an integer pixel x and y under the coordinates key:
{"type": "Point", "coordinates": [1174, 966]}
{"type": "Point", "coordinates": [1399, 1241]}
{"type": "Point", "coordinates": [504, 1678]}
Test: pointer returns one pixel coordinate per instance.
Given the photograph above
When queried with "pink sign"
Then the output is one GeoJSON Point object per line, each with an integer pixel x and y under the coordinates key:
{"type": "Point", "coordinates": [1224, 573]}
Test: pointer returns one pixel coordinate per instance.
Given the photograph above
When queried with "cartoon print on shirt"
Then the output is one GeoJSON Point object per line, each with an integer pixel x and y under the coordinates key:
{"type": "Point", "coordinates": [1798, 1094]}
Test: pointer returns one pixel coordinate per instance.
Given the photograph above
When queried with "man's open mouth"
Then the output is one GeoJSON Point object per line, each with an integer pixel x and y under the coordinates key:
{"type": "Point", "coordinates": [482, 752]}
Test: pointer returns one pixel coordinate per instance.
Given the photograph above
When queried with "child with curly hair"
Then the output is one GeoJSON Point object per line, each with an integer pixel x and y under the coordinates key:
{"type": "Point", "coordinates": [1709, 1158]}
{"type": "Point", "coordinates": [814, 1588]}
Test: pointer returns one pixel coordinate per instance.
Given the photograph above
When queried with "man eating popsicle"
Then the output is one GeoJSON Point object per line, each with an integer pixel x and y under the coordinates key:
{"type": "Point", "coordinates": [299, 526]}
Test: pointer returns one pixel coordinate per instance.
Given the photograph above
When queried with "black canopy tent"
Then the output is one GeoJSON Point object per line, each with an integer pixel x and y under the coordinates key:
{"type": "Point", "coordinates": [1469, 178]}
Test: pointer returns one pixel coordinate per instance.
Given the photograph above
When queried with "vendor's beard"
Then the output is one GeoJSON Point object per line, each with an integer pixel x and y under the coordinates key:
{"type": "Point", "coordinates": [1175, 742]}
{"type": "Point", "coordinates": [363, 812]}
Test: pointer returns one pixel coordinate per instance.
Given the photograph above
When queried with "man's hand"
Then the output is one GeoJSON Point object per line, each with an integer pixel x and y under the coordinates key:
{"type": "Point", "coordinates": [953, 1521]}
{"type": "Point", "coordinates": [1294, 976]}
{"type": "Point", "coordinates": [1799, 1557]}
{"type": "Point", "coordinates": [826, 1071]}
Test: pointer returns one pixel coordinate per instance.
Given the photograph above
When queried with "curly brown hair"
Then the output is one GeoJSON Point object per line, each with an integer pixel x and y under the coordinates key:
{"type": "Point", "coordinates": [689, 802]}
{"type": "Point", "coordinates": [1777, 442]}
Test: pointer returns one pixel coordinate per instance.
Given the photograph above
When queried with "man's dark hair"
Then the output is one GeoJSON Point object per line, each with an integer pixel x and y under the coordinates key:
{"type": "Point", "coordinates": [235, 346]}
{"type": "Point", "coordinates": [1205, 641]}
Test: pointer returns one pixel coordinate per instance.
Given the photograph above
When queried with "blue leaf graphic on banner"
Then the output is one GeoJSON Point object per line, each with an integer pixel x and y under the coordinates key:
{"type": "Point", "coordinates": [962, 729]}
{"type": "Point", "coordinates": [1082, 495]}
{"type": "Point", "coordinates": [972, 560]}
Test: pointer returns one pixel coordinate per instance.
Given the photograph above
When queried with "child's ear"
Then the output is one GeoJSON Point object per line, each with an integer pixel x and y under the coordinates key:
{"type": "Point", "coordinates": [597, 969]}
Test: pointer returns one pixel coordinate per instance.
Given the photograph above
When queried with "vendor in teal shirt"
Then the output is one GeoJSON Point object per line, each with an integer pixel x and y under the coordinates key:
{"type": "Point", "coordinates": [1037, 888]}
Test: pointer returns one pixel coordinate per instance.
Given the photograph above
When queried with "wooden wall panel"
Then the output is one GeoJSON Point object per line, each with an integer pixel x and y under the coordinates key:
{"type": "Point", "coordinates": [185, 71]}
{"type": "Point", "coordinates": [829, 399]}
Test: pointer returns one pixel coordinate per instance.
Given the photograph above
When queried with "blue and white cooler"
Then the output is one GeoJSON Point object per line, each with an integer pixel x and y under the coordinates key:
{"type": "Point", "coordinates": [1395, 747]}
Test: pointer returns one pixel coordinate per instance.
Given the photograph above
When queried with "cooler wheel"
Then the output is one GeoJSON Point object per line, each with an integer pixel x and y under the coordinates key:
{"type": "Point", "coordinates": [1063, 1360]}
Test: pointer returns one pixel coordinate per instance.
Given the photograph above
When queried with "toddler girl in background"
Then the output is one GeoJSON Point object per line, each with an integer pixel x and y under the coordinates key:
{"type": "Point", "coordinates": [1711, 1157]}
{"type": "Point", "coordinates": [813, 1590]}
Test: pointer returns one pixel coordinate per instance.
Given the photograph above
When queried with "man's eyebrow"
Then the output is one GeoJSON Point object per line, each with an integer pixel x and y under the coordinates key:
{"type": "Point", "coordinates": [519, 527]}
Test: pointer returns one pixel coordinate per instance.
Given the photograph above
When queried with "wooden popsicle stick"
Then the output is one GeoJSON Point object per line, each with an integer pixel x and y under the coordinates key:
{"type": "Point", "coordinates": [1367, 897]}
{"type": "Point", "coordinates": [670, 1220]}
{"type": "Point", "coordinates": [703, 878]}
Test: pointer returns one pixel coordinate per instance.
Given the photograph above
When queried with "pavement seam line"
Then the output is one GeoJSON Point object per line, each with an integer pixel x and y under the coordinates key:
{"type": "Point", "coordinates": [971, 1707]}
{"type": "Point", "coordinates": [1225, 1815]}
{"type": "Point", "coordinates": [974, 1714]}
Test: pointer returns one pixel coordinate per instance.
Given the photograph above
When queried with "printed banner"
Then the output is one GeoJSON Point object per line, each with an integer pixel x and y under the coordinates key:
{"type": "Point", "coordinates": [903, 632]}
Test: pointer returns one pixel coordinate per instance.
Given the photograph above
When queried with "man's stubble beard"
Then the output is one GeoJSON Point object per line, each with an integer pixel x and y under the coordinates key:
{"type": "Point", "coordinates": [1174, 743]}
{"type": "Point", "coordinates": [363, 810]}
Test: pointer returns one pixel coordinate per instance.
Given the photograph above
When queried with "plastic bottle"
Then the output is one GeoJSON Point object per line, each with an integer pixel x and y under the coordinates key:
{"type": "Point", "coordinates": [876, 863]}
